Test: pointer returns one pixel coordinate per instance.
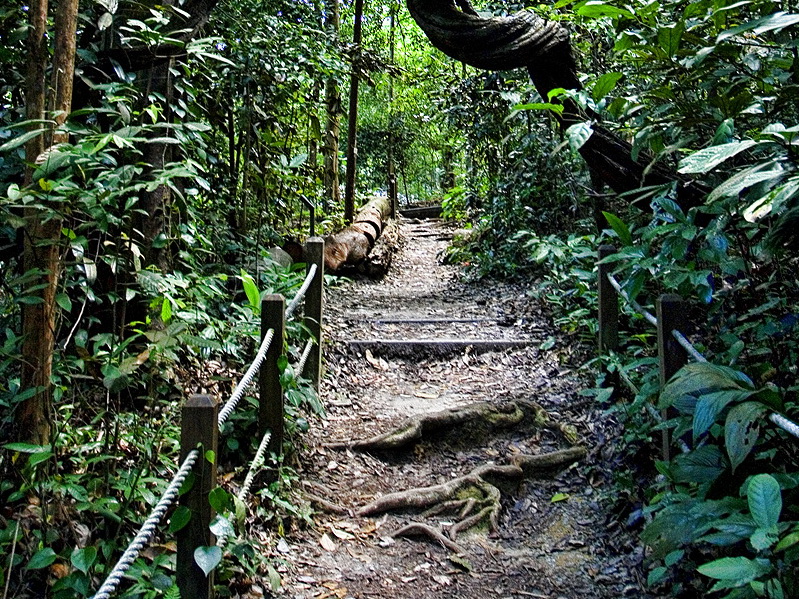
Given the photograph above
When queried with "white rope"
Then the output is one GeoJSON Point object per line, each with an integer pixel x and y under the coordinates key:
{"type": "Point", "coordinates": [298, 370]}
{"type": "Point", "coordinates": [247, 379]}
{"type": "Point", "coordinates": [148, 528]}
{"type": "Point", "coordinates": [257, 462]}
{"type": "Point", "coordinates": [785, 424]}
{"type": "Point", "coordinates": [688, 346]}
{"type": "Point", "coordinates": [301, 293]}
{"type": "Point", "coordinates": [645, 313]}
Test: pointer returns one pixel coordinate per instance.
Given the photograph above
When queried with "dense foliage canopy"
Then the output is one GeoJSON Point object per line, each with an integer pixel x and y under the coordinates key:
{"type": "Point", "coordinates": [197, 138]}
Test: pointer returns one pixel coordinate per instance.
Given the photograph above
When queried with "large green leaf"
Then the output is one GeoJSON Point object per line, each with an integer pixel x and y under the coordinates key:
{"type": "Point", "coordinates": [595, 9]}
{"type": "Point", "coordinates": [701, 378]}
{"type": "Point", "coordinates": [251, 290]}
{"type": "Point", "coordinates": [746, 178]}
{"type": "Point", "coordinates": [710, 405]}
{"type": "Point", "coordinates": [704, 160]}
{"type": "Point", "coordinates": [741, 430]}
{"type": "Point", "coordinates": [702, 465]}
{"type": "Point", "coordinates": [772, 22]}
{"type": "Point", "coordinates": [669, 37]}
{"type": "Point", "coordinates": [83, 559]}
{"type": "Point", "coordinates": [42, 559]}
{"type": "Point", "coordinates": [605, 84]}
{"type": "Point", "coordinates": [765, 500]}
{"type": "Point", "coordinates": [207, 558]}
{"type": "Point", "coordinates": [578, 134]}
{"type": "Point", "coordinates": [738, 570]}
{"type": "Point", "coordinates": [619, 227]}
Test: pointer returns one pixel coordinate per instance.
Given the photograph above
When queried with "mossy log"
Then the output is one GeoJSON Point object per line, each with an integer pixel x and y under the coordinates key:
{"type": "Point", "coordinates": [351, 246]}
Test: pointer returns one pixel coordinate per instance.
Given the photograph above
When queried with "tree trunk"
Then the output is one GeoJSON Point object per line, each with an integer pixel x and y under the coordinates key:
{"type": "Point", "coordinates": [526, 40]}
{"type": "Point", "coordinates": [41, 250]}
{"type": "Point", "coordinates": [332, 197]}
{"type": "Point", "coordinates": [352, 130]}
{"type": "Point", "coordinates": [351, 246]}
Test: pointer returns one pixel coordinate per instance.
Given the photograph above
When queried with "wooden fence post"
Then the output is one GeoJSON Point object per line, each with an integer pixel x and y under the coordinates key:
{"type": "Point", "coordinates": [671, 311]}
{"type": "Point", "coordinates": [608, 305]}
{"type": "Point", "coordinates": [314, 300]}
{"type": "Point", "coordinates": [270, 405]}
{"type": "Point", "coordinates": [199, 430]}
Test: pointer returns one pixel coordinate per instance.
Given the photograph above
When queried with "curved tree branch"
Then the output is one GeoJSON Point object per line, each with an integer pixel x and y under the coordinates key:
{"type": "Point", "coordinates": [526, 40]}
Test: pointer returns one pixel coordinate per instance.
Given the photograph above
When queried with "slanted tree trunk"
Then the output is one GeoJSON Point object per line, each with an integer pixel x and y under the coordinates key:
{"type": "Point", "coordinates": [41, 253]}
{"type": "Point", "coordinates": [352, 130]}
{"type": "Point", "coordinates": [351, 246]}
{"type": "Point", "coordinates": [332, 128]}
{"type": "Point", "coordinates": [526, 40]}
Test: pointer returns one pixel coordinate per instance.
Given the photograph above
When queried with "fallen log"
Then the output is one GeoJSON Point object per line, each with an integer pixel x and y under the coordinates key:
{"type": "Point", "coordinates": [352, 245]}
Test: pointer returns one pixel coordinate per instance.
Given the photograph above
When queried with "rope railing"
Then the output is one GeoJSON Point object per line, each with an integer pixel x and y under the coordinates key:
{"type": "Point", "coordinates": [306, 352]}
{"type": "Point", "coordinates": [255, 465]}
{"type": "Point", "coordinates": [638, 307]}
{"type": "Point", "coordinates": [247, 379]}
{"type": "Point", "coordinates": [202, 421]}
{"type": "Point", "coordinates": [669, 361]}
{"type": "Point", "coordinates": [148, 528]}
{"type": "Point", "coordinates": [300, 295]}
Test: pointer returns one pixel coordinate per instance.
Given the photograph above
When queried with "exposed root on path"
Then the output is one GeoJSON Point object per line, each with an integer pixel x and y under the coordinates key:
{"type": "Point", "coordinates": [484, 416]}
{"type": "Point", "coordinates": [418, 529]}
{"type": "Point", "coordinates": [475, 497]}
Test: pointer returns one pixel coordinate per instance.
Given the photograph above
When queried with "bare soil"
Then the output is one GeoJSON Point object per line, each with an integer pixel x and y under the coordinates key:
{"type": "Point", "coordinates": [560, 536]}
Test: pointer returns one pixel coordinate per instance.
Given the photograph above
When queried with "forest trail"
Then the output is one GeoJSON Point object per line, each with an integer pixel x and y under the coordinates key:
{"type": "Point", "coordinates": [556, 537]}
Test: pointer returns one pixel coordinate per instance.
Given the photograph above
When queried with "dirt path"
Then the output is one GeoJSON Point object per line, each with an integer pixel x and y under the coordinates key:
{"type": "Point", "coordinates": [556, 537]}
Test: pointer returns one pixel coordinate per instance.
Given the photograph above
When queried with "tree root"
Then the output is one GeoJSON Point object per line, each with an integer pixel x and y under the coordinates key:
{"type": "Point", "coordinates": [478, 490]}
{"type": "Point", "coordinates": [414, 429]}
{"type": "Point", "coordinates": [417, 528]}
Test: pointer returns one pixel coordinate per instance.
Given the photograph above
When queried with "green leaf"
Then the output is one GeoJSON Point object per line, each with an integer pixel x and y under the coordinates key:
{"type": "Point", "coordinates": [27, 447]}
{"type": "Point", "coordinates": [115, 380]}
{"type": "Point", "coordinates": [166, 310]}
{"type": "Point", "coordinates": [180, 518]}
{"type": "Point", "coordinates": [772, 22]}
{"type": "Point", "coordinates": [746, 178]}
{"type": "Point", "coordinates": [219, 499]}
{"type": "Point", "coordinates": [604, 85]}
{"type": "Point", "coordinates": [656, 575]}
{"type": "Point", "coordinates": [619, 227]}
{"type": "Point", "coordinates": [702, 465]}
{"type": "Point", "coordinates": [559, 497]}
{"type": "Point", "coordinates": [557, 108]}
{"type": "Point", "coordinates": [251, 290]}
{"type": "Point", "coordinates": [39, 457]}
{"type": "Point", "coordinates": [83, 559]}
{"type": "Point", "coordinates": [788, 541]}
{"type": "Point", "coordinates": [274, 578]}
{"type": "Point", "coordinates": [42, 559]}
{"type": "Point", "coordinates": [221, 527]}
{"type": "Point", "coordinates": [765, 500]}
{"type": "Point", "coordinates": [207, 558]}
{"type": "Point", "coordinates": [578, 134]}
{"type": "Point", "coordinates": [741, 431]}
{"type": "Point", "coordinates": [710, 405]}
{"type": "Point", "coordinates": [669, 37]}
{"type": "Point", "coordinates": [18, 141]}
{"type": "Point", "coordinates": [704, 160]}
{"type": "Point", "coordinates": [298, 160]}
{"type": "Point", "coordinates": [210, 456]}
{"type": "Point", "coordinates": [62, 299]}
{"type": "Point", "coordinates": [738, 570]}
{"type": "Point", "coordinates": [595, 10]}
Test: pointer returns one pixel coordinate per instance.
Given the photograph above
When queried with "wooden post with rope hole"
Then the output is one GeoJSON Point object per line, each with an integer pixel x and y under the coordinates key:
{"type": "Point", "coordinates": [199, 430]}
